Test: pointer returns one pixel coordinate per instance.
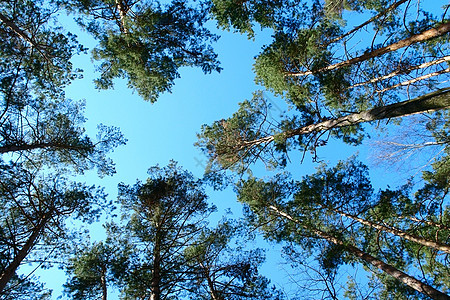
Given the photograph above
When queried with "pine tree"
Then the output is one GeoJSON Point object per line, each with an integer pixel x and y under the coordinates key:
{"type": "Point", "coordinates": [250, 134]}
{"type": "Point", "coordinates": [35, 208]}
{"type": "Point", "coordinates": [334, 212]}
{"type": "Point", "coordinates": [146, 42]}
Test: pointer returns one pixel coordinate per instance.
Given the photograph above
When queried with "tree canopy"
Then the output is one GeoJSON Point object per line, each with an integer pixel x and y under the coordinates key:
{"type": "Point", "coordinates": [163, 250]}
{"type": "Point", "coordinates": [146, 42]}
{"type": "Point", "coordinates": [342, 71]}
{"type": "Point", "coordinates": [337, 212]}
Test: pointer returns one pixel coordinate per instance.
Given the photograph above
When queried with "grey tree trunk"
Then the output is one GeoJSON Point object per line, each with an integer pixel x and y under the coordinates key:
{"type": "Point", "coordinates": [398, 232]}
{"type": "Point", "coordinates": [403, 71]}
{"type": "Point", "coordinates": [428, 103]}
{"type": "Point", "coordinates": [417, 38]}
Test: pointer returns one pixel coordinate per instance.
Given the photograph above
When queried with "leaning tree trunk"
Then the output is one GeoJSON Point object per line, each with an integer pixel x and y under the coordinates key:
{"type": "Point", "coordinates": [411, 81]}
{"type": "Point", "coordinates": [11, 269]}
{"type": "Point", "coordinates": [404, 71]}
{"type": "Point", "coordinates": [428, 222]}
{"type": "Point", "coordinates": [22, 34]}
{"type": "Point", "coordinates": [417, 38]}
{"type": "Point", "coordinates": [428, 103]}
{"type": "Point", "coordinates": [212, 290]}
{"type": "Point", "coordinates": [410, 281]}
{"type": "Point", "coordinates": [395, 231]}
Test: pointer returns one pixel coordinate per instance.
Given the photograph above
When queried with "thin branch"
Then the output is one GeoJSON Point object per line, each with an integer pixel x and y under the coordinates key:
{"type": "Point", "coordinates": [409, 82]}
{"type": "Point", "coordinates": [403, 71]}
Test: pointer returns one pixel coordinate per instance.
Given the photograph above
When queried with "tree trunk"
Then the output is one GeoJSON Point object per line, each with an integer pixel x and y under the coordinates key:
{"type": "Point", "coordinates": [19, 32]}
{"type": "Point", "coordinates": [398, 232]}
{"type": "Point", "coordinates": [421, 37]}
{"type": "Point", "coordinates": [428, 103]}
{"type": "Point", "coordinates": [156, 270]}
{"type": "Point", "coordinates": [391, 270]}
{"type": "Point", "coordinates": [26, 147]}
{"type": "Point", "coordinates": [411, 81]}
{"type": "Point", "coordinates": [11, 269]}
{"type": "Point", "coordinates": [122, 14]}
{"type": "Point", "coordinates": [104, 284]}
{"type": "Point", "coordinates": [212, 290]}
{"type": "Point", "coordinates": [428, 222]}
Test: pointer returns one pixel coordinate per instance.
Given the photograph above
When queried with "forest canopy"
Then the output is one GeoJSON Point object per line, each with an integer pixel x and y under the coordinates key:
{"type": "Point", "coordinates": [339, 72]}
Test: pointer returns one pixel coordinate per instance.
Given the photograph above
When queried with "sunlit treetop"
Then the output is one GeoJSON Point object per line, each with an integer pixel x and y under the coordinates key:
{"type": "Point", "coordinates": [393, 51]}
{"type": "Point", "coordinates": [336, 216]}
{"type": "Point", "coordinates": [333, 74]}
{"type": "Point", "coordinates": [146, 42]}
{"type": "Point", "coordinates": [35, 55]}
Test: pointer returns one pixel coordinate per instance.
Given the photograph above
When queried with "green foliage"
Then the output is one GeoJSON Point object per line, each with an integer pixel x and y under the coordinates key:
{"type": "Point", "coordinates": [345, 186]}
{"type": "Point", "coordinates": [224, 141]}
{"type": "Point", "coordinates": [51, 134]}
{"type": "Point", "coordinates": [35, 208]}
{"type": "Point", "coordinates": [35, 56]}
{"type": "Point", "coordinates": [439, 127]}
{"type": "Point", "coordinates": [320, 42]}
{"type": "Point", "coordinates": [162, 217]}
{"type": "Point", "coordinates": [254, 134]}
{"type": "Point", "coordinates": [309, 64]}
{"type": "Point", "coordinates": [224, 271]}
{"type": "Point", "coordinates": [242, 15]}
{"type": "Point", "coordinates": [258, 197]}
{"type": "Point", "coordinates": [147, 42]}
{"type": "Point", "coordinates": [163, 249]}
{"type": "Point", "coordinates": [283, 57]}
{"type": "Point", "coordinates": [26, 288]}
{"type": "Point", "coordinates": [96, 267]}
{"type": "Point", "coordinates": [44, 134]}
{"type": "Point", "coordinates": [339, 204]}
{"type": "Point", "coordinates": [37, 123]}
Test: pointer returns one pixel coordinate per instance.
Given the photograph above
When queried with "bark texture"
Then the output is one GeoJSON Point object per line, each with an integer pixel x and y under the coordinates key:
{"type": "Point", "coordinates": [428, 103]}
{"type": "Point", "coordinates": [156, 271]}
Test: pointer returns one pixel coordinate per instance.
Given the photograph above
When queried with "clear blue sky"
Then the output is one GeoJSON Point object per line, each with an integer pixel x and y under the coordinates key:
{"type": "Point", "coordinates": [167, 130]}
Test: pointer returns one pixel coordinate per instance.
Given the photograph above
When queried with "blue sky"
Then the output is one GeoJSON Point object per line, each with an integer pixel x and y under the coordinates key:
{"type": "Point", "coordinates": [166, 130]}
